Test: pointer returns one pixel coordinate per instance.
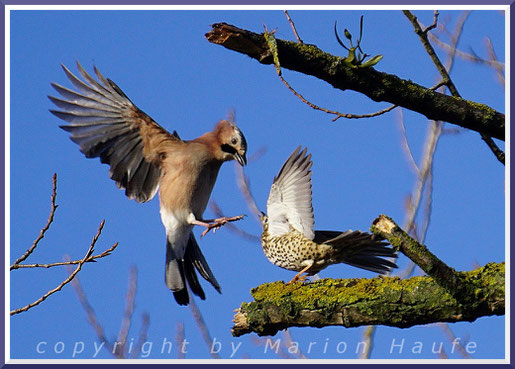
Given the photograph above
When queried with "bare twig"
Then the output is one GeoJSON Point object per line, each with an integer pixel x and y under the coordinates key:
{"type": "Point", "coordinates": [230, 226]}
{"type": "Point", "coordinates": [70, 262]}
{"type": "Point", "coordinates": [67, 280]}
{"type": "Point", "coordinates": [334, 112]}
{"type": "Point", "coordinates": [499, 67]}
{"type": "Point", "coordinates": [117, 349]}
{"type": "Point", "coordinates": [90, 313]}
{"type": "Point", "coordinates": [143, 333]}
{"type": "Point", "coordinates": [499, 154]}
{"type": "Point", "coordinates": [492, 62]}
{"type": "Point", "coordinates": [288, 342]}
{"type": "Point", "coordinates": [53, 208]}
{"type": "Point", "coordinates": [129, 309]}
{"type": "Point", "coordinates": [346, 115]}
{"type": "Point", "coordinates": [201, 324]}
{"type": "Point", "coordinates": [179, 340]}
{"type": "Point", "coordinates": [452, 337]}
{"type": "Point", "coordinates": [404, 143]}
{"type": "Point", "coordinates": [293, 27]}
{"type": "Point", "coordinates": [435, 131]}
{"type": "Point", "coordinates": [368, 338]}
{"type": "Point", "coordinates": [434, 24]}
{"type": "Point", "coordinates": [243, 184]}
{"type": "Point", "coordinates": [282, 350]}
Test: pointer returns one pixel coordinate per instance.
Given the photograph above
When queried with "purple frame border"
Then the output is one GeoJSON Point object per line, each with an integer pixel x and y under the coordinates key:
{"type": "Point", "coordinates": [3, 4]}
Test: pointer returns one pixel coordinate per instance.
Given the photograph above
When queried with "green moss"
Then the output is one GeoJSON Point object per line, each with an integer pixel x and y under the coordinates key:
{"type": "Point", "coordinates": [328, 295]}
{"type": "Point", "coordinates": [489, 113]}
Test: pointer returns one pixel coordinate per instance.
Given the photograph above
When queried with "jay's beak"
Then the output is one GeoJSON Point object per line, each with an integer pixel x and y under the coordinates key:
{"type": "Point", "coordinates": [242, 159]}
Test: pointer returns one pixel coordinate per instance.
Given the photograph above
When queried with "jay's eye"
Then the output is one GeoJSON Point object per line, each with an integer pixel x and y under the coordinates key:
{"type": "Point", "coordinates": [234, 140]}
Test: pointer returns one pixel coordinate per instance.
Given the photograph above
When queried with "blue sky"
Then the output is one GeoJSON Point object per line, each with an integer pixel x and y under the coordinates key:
{"type": "Point", "coordinates": [165, 65]}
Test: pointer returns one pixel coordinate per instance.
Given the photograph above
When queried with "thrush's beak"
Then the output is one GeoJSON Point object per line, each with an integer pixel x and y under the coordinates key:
{"type": "Point", "coordinates": [242, 159]}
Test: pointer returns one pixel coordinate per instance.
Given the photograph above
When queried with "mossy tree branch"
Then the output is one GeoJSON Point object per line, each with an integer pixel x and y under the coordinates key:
{"type": "Point", "coordinates": [445, 295]}
{"type": "Point", "coordinates": [443, 274]}
{"type": "Point", "coordinates": [386, 301]}
{"type": "Point", "coordinates": [378, 86]}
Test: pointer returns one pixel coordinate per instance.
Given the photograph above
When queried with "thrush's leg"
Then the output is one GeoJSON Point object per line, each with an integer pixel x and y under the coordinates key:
{"type": "Point", "coordinates": [299, 276]}
{"type": "Point", "coordinates": [214, 224]}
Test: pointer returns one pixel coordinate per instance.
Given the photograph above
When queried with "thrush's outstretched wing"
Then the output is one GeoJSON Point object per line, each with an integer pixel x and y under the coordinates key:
{"type": "Point", "coordinates": [289, 203]}
{"type": "Point", "coordinates": [106, 124]}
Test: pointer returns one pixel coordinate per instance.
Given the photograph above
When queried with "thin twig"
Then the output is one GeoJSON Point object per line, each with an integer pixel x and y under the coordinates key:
{"type": "Point", "coordinates": [452, 337]}
{"type": "Point", "coordinates": [368, 338]}
{"type": "Point", "coordinates": [494, 63]}
{"type": "Point", "coordinates": [230, 226]}
{"type": "Point", "coordinates": [143, 333]}
{"type": "Point", "coordinates": [53, 208]}
{"type": "Point", "coordinates": [288, 342]}
{"type": "Point", "coordinates": [90, 313]}
{"type": "Point", "coordinates": [282, 350]}
{"type": "Point", "coordinates": [499, 154]}
{"type": "Point", "coordinates": [67, 280]}
{"type": "Point", "coordinates": [61, 263]}
{"type": "Point", "coordinates": [201, 324]}
{"type": "Point", "coordinates": [244, 186]}
{"type": "Point", "coordinates": [293, 27]}
{"type": "Point", "coordinates": [129, 309]}
{"type": "Point", "coordinates": [493, 58]}
{"type": "Point", "coordinates": [345, 115]}
{"type": "Point", "coordinates": [180, 340]}
{"type": "Point", "coordinates": [434, 24]}
{"type": "Point", "coordinates": [405, 144]}
{"type": "Point", "coordinates": [334, 112]}
{"type": "Point", "coordinates": [435, 131]}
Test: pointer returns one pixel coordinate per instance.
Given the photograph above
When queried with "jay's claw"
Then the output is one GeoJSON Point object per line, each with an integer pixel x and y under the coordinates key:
{"type": "Point", "coordinates": [216, 224]}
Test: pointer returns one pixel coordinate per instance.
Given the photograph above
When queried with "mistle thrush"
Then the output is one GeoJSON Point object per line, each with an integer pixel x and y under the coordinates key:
{"type": "Point", "coordinates": [289, 240]}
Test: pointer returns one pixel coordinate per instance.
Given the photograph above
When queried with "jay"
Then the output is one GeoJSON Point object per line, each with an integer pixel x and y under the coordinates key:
{"type": "Point", "coordinates": [143, 158]}
{"type": "Point", "coordinates": [288, 238]}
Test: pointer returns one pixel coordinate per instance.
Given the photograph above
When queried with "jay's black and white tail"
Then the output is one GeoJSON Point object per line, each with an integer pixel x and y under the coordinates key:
{"type": "Point", "coordinates": [180, 272]}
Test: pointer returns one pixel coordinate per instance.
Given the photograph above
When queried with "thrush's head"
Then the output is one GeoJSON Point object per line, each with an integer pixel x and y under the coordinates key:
{"type": "Point", "coordinates": [264, 219]}
{"type": "Point", "coordinates": [232, 142]}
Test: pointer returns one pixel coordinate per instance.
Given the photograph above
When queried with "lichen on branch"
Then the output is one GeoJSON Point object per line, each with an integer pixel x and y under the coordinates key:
{"type": "Point", "coordinates": [376, 85]}
{"type": "Point", "coordinates": [389, 301]}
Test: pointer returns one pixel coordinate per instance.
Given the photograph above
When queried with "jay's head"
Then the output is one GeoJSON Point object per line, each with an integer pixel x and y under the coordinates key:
{"type": "Point", "coordinates": [232, 142]}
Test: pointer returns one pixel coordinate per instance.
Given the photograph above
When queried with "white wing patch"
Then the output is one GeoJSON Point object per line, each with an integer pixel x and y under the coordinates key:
{"type": "Point", "coordinates": [289, 202]}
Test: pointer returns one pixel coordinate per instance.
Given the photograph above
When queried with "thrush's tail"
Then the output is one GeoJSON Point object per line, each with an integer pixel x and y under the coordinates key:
{"type": "Point", "coordinates": [180, 270]}
{"type": "Point", "coordinates": [359, 249]}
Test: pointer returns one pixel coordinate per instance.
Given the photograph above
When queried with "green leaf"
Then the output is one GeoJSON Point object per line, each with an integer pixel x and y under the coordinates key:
{"type": "Point", "coordinates": [372, 61]}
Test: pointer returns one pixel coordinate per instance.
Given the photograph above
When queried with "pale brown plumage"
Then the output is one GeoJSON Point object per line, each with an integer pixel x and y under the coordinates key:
{"type": "Point", "coordinates": [288, 238]}
{"type": "Point", "coordinates": [143, 157]}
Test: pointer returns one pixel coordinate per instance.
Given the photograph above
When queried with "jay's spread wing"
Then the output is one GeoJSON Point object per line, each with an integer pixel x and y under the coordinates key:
{"type": "Point", "coordinates": [289, 203]}
{"type": "Point", "coordinates": [106, 124]}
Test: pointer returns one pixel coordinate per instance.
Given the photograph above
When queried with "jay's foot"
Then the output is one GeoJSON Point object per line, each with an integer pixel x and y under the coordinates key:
{"type": "Point", "coordinates": [214, 224]}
